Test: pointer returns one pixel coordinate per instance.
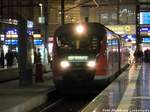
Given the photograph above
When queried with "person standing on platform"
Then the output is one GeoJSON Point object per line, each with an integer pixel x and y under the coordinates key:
{"type": "Point", "coordinates": [147, 55]}
{"type": "Point", "coordinates": [2, 59]}
{"type": "Point", "coordinates": [9, 58]}
{"type": "Point", "coordinates": [39, 68]}
{"type": "Point", "coordinates": [138, 54]}
{"type": "Point", "coordinates": [35, 56]}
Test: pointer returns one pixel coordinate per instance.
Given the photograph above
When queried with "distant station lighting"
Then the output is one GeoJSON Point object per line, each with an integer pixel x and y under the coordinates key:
{"type": "Point", "coordinates": [11, 36]}
{"type": "Point", "coordinates": [59, 12]}
{"type": "Point", "coordinates": [29, 24]}
{"type": "Point", "coordinates": [80, 29]}
{"type": "Point", "coordinates": [11, 33]}
{"type": "Point", "coordinates": [37, 36]}
{"type": "Point", "coordinates": [2, 37]}
{"type": "Point", "coordinates": [40, 4]}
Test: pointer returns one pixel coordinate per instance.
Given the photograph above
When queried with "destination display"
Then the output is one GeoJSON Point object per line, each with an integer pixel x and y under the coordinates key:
{"type": "Point", "coordinates": [145, 31]}
{"type": "Point", "coordinates": [146, 40]}
{"type": "Point", "coordinates": [144, 17]}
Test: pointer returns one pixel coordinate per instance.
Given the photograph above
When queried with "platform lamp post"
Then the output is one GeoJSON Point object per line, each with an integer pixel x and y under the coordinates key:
{"type": "Point", "coordinates": [41, 9]}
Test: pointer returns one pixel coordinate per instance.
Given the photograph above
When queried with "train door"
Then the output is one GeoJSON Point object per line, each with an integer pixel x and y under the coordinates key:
{"type": "Point", "coordinates": [113, 54]}
{"type": "Point", "coordinates": [50, 48]}
{"type": "Point", "coordinates": [101, 67]}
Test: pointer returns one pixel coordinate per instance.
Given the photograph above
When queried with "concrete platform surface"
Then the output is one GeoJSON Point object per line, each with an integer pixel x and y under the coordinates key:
{"type": "Point", "coordinates": [130, 92]}
{"type": "Point", "coordinates": [14, 98]}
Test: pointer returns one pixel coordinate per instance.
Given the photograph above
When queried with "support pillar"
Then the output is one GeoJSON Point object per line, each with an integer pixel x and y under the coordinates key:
{"type": "Point", "coordinates": [118, 10]}
{"type": "Point", "coordinates": [24, 54]}
{"type": "Point", "coordinates": [62, 12]}
{"type": "Point", "coordinates": [138, 38]}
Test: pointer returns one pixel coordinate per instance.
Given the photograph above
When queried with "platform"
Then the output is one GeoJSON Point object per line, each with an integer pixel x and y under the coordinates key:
{"type": "Point", "coordinates": [12, 72]}
{"type": "Point", "coordinates": [130, 92]}
{"type": "Point", "coordinates": [14, 98]}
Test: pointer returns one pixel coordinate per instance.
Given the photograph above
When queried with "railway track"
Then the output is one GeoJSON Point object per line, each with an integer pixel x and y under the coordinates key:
{"type": "Point", "coordinates": [71, 103]}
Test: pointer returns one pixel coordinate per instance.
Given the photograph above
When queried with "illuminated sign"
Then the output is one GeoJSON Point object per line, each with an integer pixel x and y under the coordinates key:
{"type": "Point", "coordinates": [29, 31]}
{"type": "Point", "coordinates": [10, 21]}
{"type": "Point", "coordinates": [2, 37]}
{"type": "Point", "coordinates": [144, 17]}
{"type": "Point", "coordinates": [123, 29]}
{"type": "Point", "coordinates": [77, 58]}
{"type": "Point", "coordinates": [29, 24]}
{"type": "Point", "coordinates": [11, 33]}
{"type": "Point", "coordinates": [11, 36]}
{"type": "Point", "coordinates": [38, 42]}
{"type": "Point", "coordinates": [146, 40]}
{"type": "Point", "coordinates": [112, 42]}
{"type": "Point", "coordinates": [15, 42]}
{"type": "Point", "coordinates": [145, 31]}
{"type": "Point", "coordinates": [130, 37]}
{"type": "Point", "coordinates": [41, 20]}
{"type": "Point", "coordinates": [11, 42]}
{"type": "Point", "coordinates": [37, 35]}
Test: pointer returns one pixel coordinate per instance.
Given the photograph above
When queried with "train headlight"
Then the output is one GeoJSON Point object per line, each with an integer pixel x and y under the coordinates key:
{"type": "Point", "coordinates": [80, 29]}
{"type": "Point", "coordinates": [64, 64]}
{"type": "Point", "coordinates": [91, 64]}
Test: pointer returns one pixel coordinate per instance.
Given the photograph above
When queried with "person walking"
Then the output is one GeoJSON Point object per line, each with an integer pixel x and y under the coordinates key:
{"type": "Point", "coordinates": [2, 59]}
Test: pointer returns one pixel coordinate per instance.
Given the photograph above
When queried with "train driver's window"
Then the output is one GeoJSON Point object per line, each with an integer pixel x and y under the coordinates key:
{"type": "Point", "coordinates": [64, 42]}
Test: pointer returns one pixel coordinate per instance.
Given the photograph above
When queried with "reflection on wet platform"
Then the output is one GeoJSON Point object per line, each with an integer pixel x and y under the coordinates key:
{"type": "Point", "coordinates": [141, 98]}
{"type": "Point", "coordinates": [129, 92]}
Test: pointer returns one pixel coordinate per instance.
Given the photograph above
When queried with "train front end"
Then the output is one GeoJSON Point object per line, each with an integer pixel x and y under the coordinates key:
{"type": "Point", "coordinates": [74, 58]}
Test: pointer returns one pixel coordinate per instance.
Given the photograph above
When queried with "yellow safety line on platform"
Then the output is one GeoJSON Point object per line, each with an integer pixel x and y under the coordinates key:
{"type": "Point", "coordinates": [125, 103]}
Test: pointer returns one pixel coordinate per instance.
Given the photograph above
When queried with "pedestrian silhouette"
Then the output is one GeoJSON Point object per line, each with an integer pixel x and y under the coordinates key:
{"type": "Point", "coordinates": [2, 59]}
{"type": "Point", "coordinates": [39, 68]}
{"type": "Point", "coordinates": [138, 54]}
{"type": "Point", "coordinates": [9, 58]}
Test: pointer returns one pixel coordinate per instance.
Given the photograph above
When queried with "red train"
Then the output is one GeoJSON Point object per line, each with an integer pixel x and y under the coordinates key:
{"type": "Point", "coordinates": [86, 56]}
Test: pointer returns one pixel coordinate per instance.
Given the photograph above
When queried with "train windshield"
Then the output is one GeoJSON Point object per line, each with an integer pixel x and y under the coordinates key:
{"type": "Point", "coordinates": [86, 43]}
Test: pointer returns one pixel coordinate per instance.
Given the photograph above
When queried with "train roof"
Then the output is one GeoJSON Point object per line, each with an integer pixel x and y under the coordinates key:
{"type": "Point", "coordinates": [91, 28]}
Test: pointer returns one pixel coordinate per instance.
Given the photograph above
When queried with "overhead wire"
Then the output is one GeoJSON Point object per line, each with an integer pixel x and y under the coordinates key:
{"type": "Point", "coordinates": [95, 2]}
